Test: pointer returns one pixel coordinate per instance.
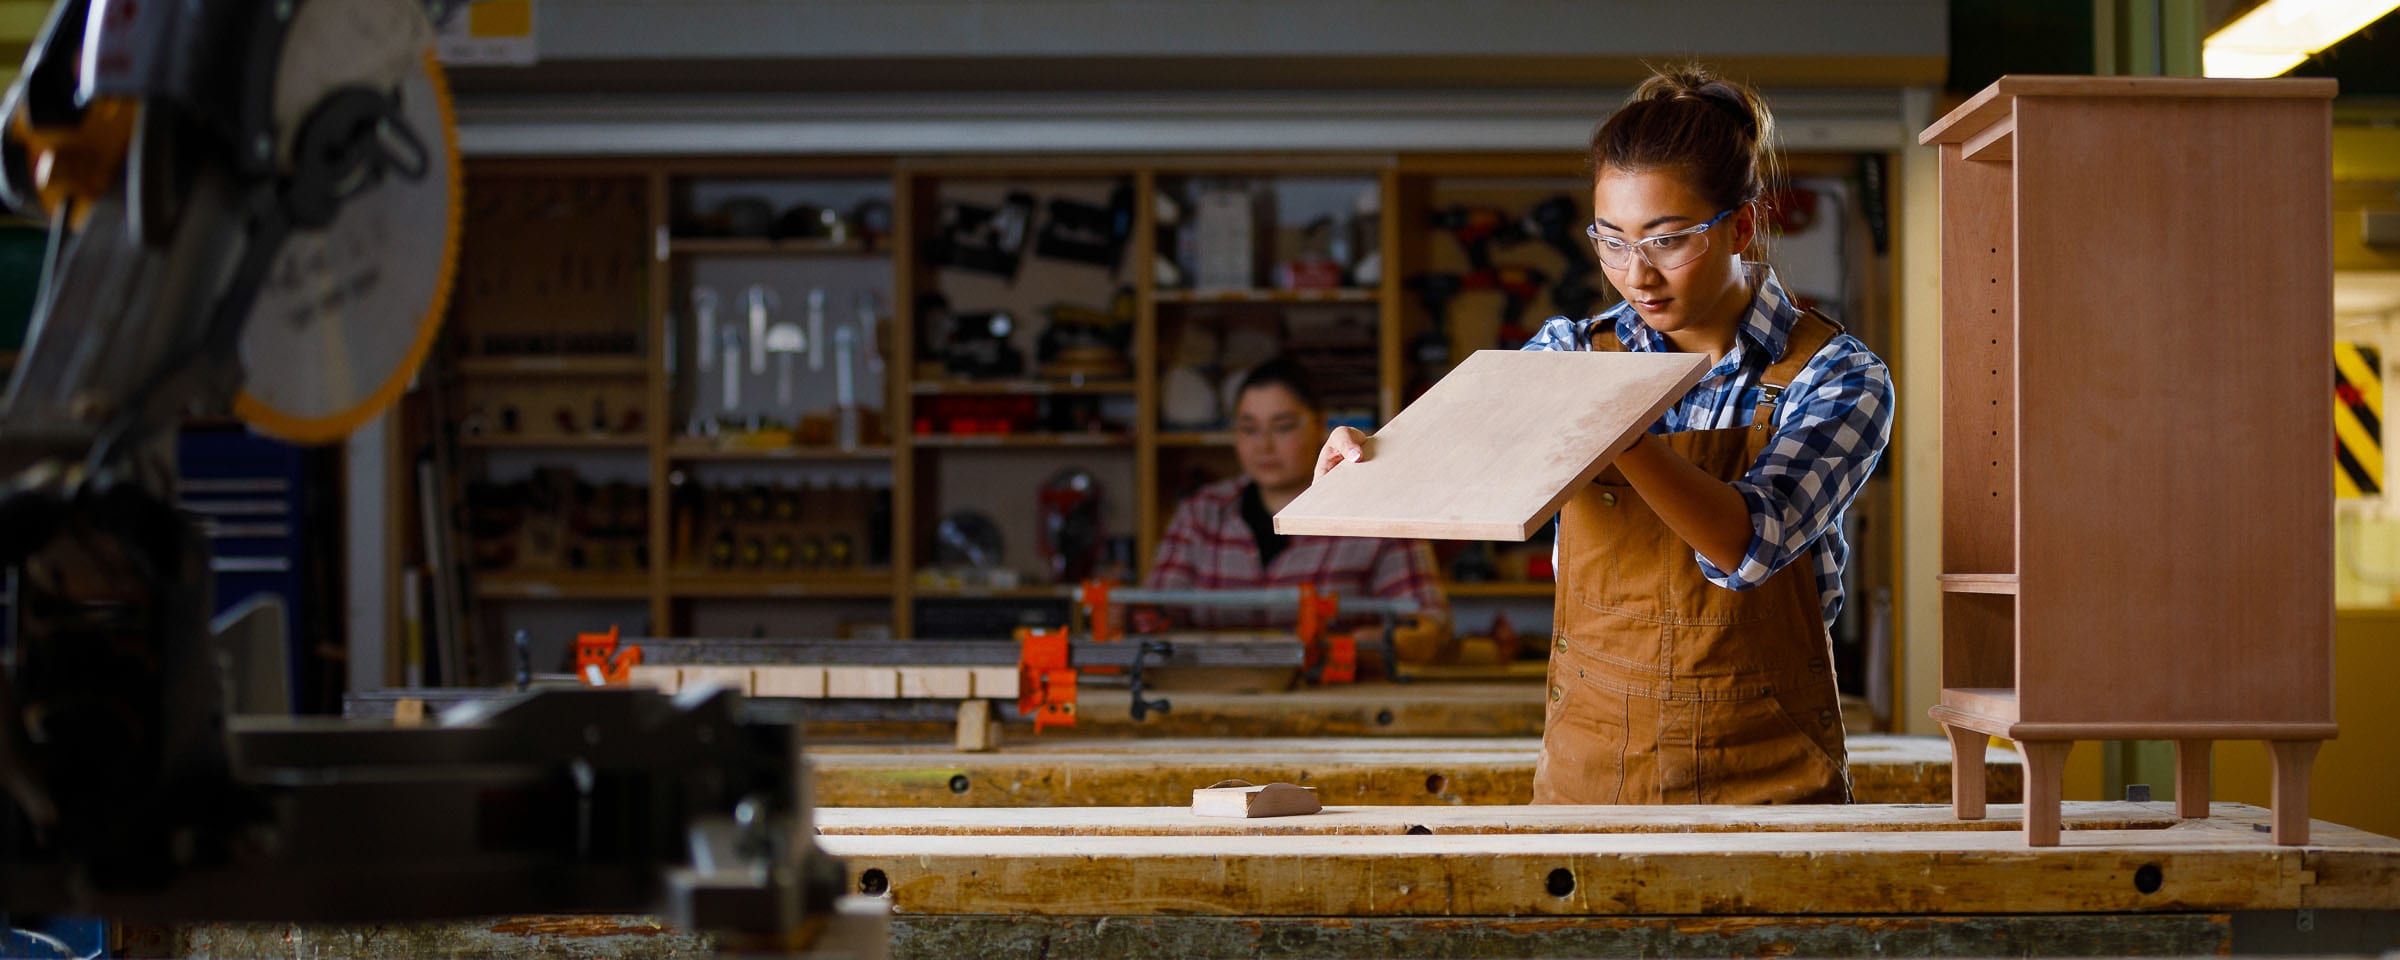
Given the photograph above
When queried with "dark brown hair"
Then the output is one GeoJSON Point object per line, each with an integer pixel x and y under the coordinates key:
{"type": "Point", "coordinates": [1285, 372]}
{"type": "Point", "coordinates": [1716, 131]}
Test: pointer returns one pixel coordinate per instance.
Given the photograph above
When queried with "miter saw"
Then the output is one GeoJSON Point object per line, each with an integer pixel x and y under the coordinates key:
{"type": "Point", "coordinates": [254, 211]}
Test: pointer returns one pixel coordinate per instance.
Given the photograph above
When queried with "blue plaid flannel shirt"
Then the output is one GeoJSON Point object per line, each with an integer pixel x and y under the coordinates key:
{"type": "Point", "coordinates": [1833, 424]}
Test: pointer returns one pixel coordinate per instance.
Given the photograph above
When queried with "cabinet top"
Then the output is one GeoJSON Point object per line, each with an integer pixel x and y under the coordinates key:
{"type": "Point", "coordinates": [1996, 101]}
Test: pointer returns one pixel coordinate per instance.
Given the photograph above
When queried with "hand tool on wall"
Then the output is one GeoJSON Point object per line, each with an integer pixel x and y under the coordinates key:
{"type": "Point", "coordinates": [845, 389]}
{"type": "Point", "coordinates": [784, 339]}
{"type": "Point", "coordinates": [704, 316]}
{"type": "Point", "coordinates": [729, 343]}
{"type": "Point", "coordinates": [762, 299]}
{"type": "Point", "coordinates": [1431, 349]}
{"type": "Point", "coordinates": [816, 328]}
{"type": "Point", "coordinates": [1477, 230]}
{"type": "Point", "coordinates": [866, 311]}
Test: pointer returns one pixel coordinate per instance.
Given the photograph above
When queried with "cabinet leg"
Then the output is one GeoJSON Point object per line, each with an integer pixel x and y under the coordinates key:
{"type": "Point", "coordinates": [2045, 778]}
{"type": "Point", "coordinates": [2290, 792]}
{"type": "Point", "coordinates": [2191, 777]}
{"type": "Point", "coordinates": [1966, 771]}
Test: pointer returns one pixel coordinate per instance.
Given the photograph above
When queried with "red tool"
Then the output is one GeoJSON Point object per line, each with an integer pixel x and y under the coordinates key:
{"type": "Point", "coordinates": [600, 663]}
{"type": "Point", "coordinates": [1045, 679]}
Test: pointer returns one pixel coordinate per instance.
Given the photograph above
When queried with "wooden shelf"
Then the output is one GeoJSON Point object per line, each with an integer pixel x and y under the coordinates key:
{"type": "Point", "coordinates": [705, 450]}
{"type": "Point", "coordinates": [1034, 591]}
{"type": "Point", "coordinates": [1998, 702]}
{"type": "Point", "coordinates": [764, 247]}
{"type": "Point", "coordinates": [1026, 387]}
{"type": "Point", "coordinates": [562, 585]}
{"type": "Point", "coordinates": [1036, 440]}
{"type": "Point", "coordinates": [1337, 295]}
{"type": "Point", "coordinates": [1999, 583]}
{"type": "Point", "coordinates": [1501, 590]}
{"type": "Point", "coordinates": [554, 366]}
{"type": "Point", "coordinates": [1205, 438]}
{"type": "Point", "coordinates": [558, 441]}
{"type": "Point", "coordinates": [743, 584]}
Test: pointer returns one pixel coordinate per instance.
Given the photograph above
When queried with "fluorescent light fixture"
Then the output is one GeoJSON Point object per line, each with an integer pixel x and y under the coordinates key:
{"type": "Point", "coordinates": [2278, 35]}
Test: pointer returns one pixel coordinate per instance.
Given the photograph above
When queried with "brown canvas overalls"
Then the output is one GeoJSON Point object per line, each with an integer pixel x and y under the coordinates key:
{"type": "Point", "coordinates": [1666, 688]}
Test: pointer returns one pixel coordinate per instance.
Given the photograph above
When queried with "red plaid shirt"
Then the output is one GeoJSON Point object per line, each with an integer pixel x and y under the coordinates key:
{"type": "Point", "coordinates": [1208, 546]}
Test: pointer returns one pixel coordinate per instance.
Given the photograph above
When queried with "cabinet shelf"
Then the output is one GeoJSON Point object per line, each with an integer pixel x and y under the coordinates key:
{"type": "Point", "coordinates": [748, 584]}
{"type": "Point", "coordinates": [1010, 387]}
{"type": "Point", "coordinates": [557, 441]}
{"type": "Point", "coordinates": [1999, 583]}
{"type": "Point", "coordinates": [1036, 440]}
{"type": "Point", "coordinates": [1036, 591]}
{"type": "Point", "coordinates": [764, 247]}
{"type": "Point", "coordinates": [554, 366]}
{"type": "Point", "coordinates": [1335, 295]}
{"type": "Point", "coordinates": [562, 585]}
{"type": "Point", "coordinates": [704, 450]}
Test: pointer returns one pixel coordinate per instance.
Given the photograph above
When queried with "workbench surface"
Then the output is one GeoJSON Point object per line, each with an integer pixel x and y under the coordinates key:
{"type": "Point", "coordinates": [1054, 770]}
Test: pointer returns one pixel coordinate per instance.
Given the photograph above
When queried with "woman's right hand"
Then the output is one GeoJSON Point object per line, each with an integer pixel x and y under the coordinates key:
{"type": "Point", "coordinates": [1345, 444]}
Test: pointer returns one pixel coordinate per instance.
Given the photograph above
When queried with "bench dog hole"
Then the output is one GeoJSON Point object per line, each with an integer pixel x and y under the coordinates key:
{"type": "Point", "coordinates": [1562, 882]}
{"type": "Point", "coordinates": [958, 784]}
{"type": "Point", "coordinates": [2149, 878]}
{"type": "Point", "coordinates": [873, 883]}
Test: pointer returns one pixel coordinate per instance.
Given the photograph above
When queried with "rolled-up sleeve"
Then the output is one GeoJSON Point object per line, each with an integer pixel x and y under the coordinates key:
{"type": "Point", "coordinates": [1836, 421]}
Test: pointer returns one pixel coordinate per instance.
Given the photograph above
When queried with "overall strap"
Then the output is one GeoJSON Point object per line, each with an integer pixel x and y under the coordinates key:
{"type": "Point", "coordinates": [1810, 332]}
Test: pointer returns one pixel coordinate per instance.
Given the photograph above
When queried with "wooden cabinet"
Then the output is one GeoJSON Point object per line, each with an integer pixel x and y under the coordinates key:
{"type": "Point", "coordinates": [2137, 534]}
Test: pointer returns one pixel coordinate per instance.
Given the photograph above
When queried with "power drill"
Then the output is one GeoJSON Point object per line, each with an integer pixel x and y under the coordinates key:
{"type": "Point", "coordinates": [1431, 349]}
{"type": "Point", "coordinates": [1518, 285]}
{"type": "Point", "coordinates": [1554, 222]}
{"type": "Point", "coordinates": [1476, 229]}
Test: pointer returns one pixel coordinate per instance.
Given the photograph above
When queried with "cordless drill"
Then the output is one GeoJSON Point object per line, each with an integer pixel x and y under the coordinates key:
{"type": "Point", "coordinates": [1518, 285]}
{"type": "Point", "coordinates": [1431, 349]}
{"type": "Point", "coordinates": [1554, 222]}
{"type": "Point", "coordinates": [1477, 229]}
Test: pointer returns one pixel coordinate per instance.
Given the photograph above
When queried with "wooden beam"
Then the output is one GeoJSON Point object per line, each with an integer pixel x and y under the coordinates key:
{"type": "Point", "coordinates": [2204, 865]}
{"type": "Point", "coordinates": [1168, 821]}
{"type": "Point", "coordinates": [1049, 771]}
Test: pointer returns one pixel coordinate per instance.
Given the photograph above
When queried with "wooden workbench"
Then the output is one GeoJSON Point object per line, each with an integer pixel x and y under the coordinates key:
{"type": "Point", "coordinates": [1052, 770]}
{"type": "Point", "coordinates": [1868, 880]}
{"type": "Point", "coordinates": [2127, 879]}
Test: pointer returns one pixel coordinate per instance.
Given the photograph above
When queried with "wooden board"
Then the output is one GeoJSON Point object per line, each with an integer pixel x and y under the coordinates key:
{"type": "Point", "coordinates": [1244, 801]}
{"type": "Point", "coordinates": [2222, 863]}
{"type": "Point", "coordinates": [1493, 450]}
{"type": "Point", "coordinates": [1049, 771]}
{"type": "Point", "coordinates": [1404, 821]}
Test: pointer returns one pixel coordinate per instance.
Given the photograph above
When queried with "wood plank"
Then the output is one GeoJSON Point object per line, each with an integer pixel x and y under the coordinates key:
{"type": "Point", "coordinates": [870, 682]}
{"type": "Point", "coordinates": [1168, 821]}
{"type": "Point", "coordinates": [2004, 584]}
{"type": "Point", "coordinates": [788, 681]}
{"type": "Point", "coordinates": [662, 679]}
{"type": "Point", "coordinates": [736, 679]}
{"type": "Point", "coordinates": [1048, 772]}
{"type": "Point", "coordinates": [1482, 456]}
{"type": "Point", "coordinates": [937, 683]}
{"type": "Point", "coordinates": [2199, 866]}
{"type": "Point", "coordinates": [1995, 102]}
{"type": "Point", "coordinates": [994, 683]}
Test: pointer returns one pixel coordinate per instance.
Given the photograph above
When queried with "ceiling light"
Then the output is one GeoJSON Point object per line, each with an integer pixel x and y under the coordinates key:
{"type": "Point", "coordinates": [2278, 35]}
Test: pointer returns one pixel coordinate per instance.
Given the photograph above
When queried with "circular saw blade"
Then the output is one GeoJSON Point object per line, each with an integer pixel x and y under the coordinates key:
{"type": "Point", "coordinates": [348, 312]}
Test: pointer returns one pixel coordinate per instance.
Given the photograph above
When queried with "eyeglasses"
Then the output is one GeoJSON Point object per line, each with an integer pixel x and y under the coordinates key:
{"type": "Point", "coordinates": [1665, 251]}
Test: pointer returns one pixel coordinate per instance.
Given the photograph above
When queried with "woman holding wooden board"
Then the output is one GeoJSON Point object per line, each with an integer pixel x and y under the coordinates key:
{"type": "Point", "coordinates": [1698, 575]}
